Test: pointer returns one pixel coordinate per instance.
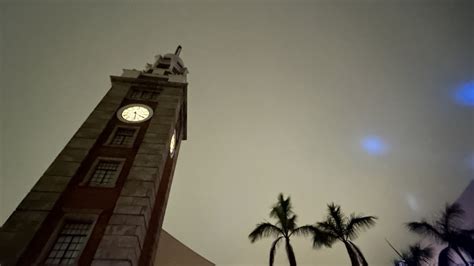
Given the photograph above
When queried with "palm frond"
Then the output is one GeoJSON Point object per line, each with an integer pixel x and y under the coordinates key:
{"type": "Point", "coordinates": [291, 223]}
{"type": "Point", "coordinates": [273, 250]}
{"type": "Point", "coordinates": [276, 210]}
{"type": "Point", "coordinates": [264, 230]}
{"type": "Point", "coordinates": [451, 217]}
{"type": "Point", "coordinates": [425, 229]}
{"type": "Point", "coordinates": [281, 217]}
{"type": "Point", "coordinates": [283, 206]}
{"type": "Point", "coordinates": [453, 211]}
{"type": "Point", "coordinates": [328, 227]}
{"type": "Point", "coordinates": [358, 223]}
{"type": "Point", "coordinates": [286, 205]}
{"type": "Point", "coordinates": [336, 214]}
{"type": "Point", "coordinates": [416, 255]}
{"type": "Point", "coordinates": [276, 207]}
{"type": "Point", "coordinates": [304, 230]}
{"type": "Point", "coordinates": [282, 211]}
{"type": "Point", "coordinates": [420, 254]}
{"type": "Point", "coordinates": [323, 238]}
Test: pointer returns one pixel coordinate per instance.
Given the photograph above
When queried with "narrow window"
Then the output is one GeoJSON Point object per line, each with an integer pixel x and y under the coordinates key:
{"type": "Point", "coordinates": [153, 95]}
{"type": "Point", "coordinates": [123, 136]}
{"type": "Point", "coordinates": [135, 94]}
{"type": "Point", "coordinates": [105, 173]}
{"type": "Point", "coordinates": [144, 94]}
{"type": "Point", "coordinates": [163, 65]}
{"type": "Point", "coordinates": [69, 243]}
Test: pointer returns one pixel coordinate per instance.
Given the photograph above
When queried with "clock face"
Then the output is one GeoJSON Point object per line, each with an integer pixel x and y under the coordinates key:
{"type": "Point", "coordinates": [173, 144]}
{"type": "Point", "coordinates": [134, 113]}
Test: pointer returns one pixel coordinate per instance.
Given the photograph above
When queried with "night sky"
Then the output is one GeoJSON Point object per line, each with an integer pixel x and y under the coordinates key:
{"type": "Point", "coordinates": [368, 104]}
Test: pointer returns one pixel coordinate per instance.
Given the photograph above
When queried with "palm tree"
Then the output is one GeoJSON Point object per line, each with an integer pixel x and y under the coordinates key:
{"type": "Point", "coordinates": [446, 230]}
{"type": "Point", "coordinates": [338, 227]}
{"type": "Point", "coordinates": [282, 230]}
{"type": "Point", "coordinates": [414, 256]}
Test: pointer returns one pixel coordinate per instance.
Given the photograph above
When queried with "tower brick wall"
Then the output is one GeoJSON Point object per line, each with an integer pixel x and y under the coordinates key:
{"type": "Point", "coordinates": [125, 216]}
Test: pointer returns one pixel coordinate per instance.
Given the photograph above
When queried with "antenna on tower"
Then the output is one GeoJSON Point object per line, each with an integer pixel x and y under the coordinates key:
{"type": "Point", "coordinates": [178, 50]}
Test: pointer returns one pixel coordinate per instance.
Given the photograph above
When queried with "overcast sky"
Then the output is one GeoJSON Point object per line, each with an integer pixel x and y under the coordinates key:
{"type": "Point", "coordinates": [364, 103]}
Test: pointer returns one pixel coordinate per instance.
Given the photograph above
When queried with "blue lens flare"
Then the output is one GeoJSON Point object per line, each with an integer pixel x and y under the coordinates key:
{"type": "Point", "coordinates": [464, 95]}
{"type": "Point", "coordinates": [374, 145]}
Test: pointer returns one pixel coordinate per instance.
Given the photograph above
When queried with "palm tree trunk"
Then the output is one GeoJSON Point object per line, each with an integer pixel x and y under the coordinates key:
{"type": "Point", "coordinates": [352, 254]}
{"type": "Point", "coordinates": [359, 253]}
{"type": "Point", "coordinates": [461, 256]}
{"type": "Point", "coordinates": [290, 253]}
{"type": "Point", "coordinates": [443, 258]}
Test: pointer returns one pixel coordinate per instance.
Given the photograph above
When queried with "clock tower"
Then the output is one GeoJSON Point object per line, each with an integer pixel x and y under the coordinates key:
{"type": "Point", "coordinates": [103, 199]}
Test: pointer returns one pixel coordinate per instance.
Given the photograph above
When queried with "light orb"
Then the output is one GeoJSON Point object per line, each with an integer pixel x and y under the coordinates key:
{"type": "Point", "coordinates": [464, 95]}
{"type": "Point", "coordinates": [374, 145]}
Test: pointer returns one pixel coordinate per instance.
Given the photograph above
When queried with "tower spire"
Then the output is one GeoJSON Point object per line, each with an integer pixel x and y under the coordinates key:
{"type": "Point", "coordinates": [169, 66]}
{"type": "Point", "coordinates": [178, 50]}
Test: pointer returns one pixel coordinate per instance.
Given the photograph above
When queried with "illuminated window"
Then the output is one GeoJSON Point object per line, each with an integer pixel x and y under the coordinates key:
{"type": "Point", "coordinates": [69, 243]}
{"type": "Point", "coordinates": [173, 144]}
{"type": "Point", "coordinates": [123, 136]}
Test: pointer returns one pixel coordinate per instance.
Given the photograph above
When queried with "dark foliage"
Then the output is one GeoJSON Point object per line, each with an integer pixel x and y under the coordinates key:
{"type": "Point", "coordinates": [416, 255]}
{"type": "Point", "coordinates": [446, 229]}
{"type": "Point", "coordinates": [338, 227]}
{"type": "Point", "coordinates": [282, 230]}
